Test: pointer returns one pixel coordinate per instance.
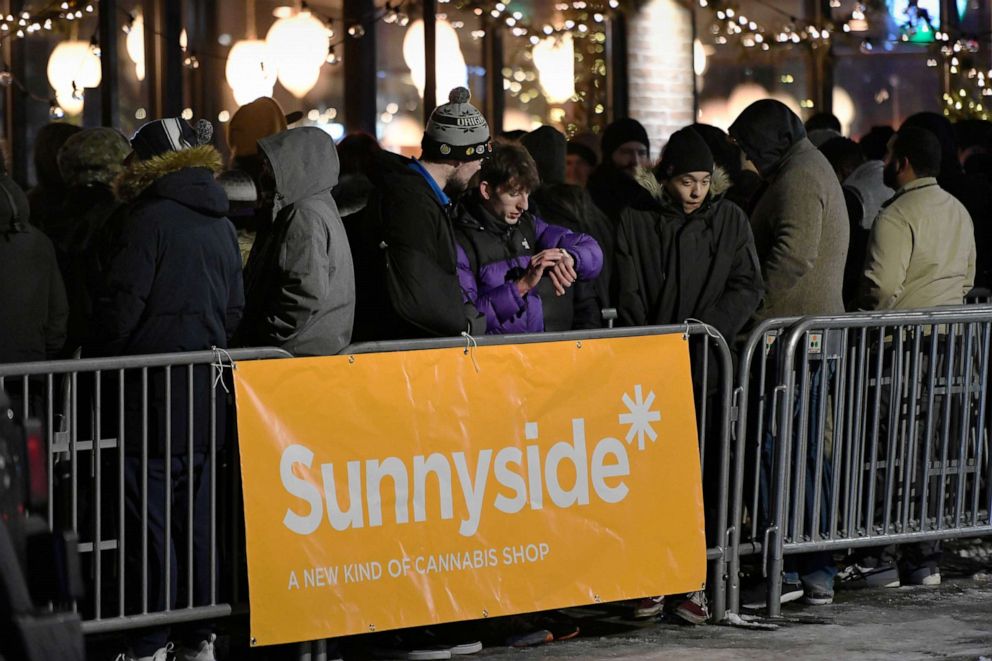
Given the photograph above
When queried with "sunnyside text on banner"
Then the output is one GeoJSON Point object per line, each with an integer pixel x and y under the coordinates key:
{"type": "Point", "coordinates": [392, 490]}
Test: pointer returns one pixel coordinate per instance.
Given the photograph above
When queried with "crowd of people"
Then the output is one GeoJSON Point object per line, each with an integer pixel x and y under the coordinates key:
{"type": "Point", "coordinates": [136, 246]}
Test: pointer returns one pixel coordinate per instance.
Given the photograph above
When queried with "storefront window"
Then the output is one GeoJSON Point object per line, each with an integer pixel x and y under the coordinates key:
{"type": "Point", "coordinates": [278, 32]}
{"type": "Point", "coordinates": [742, 58]}
{"type": "Point", "coordinates": [401, 75]}
{"type": "Point", "coordinates": [132, 80]}
{"type": "Point", "coordinates": [554, 69]}
{"type": "Point", "coordinates": [887, 64]}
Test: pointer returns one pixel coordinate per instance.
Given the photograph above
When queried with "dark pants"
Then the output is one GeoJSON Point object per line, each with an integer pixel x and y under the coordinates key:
{"type": "Point", "coordinates": [174, 554]}
{"type": "Point", "coordinates": [917, 554]}
{"type": "Point", "coordinates": [818, 561]}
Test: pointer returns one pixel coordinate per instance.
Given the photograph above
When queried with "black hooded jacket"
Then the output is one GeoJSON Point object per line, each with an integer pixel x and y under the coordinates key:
{"type": "Point", "coordinates": [671, 267]}
{"type": "Point", "coordinates": [92, 212]}
{"type": "Point", "coordinates": [406, 266]}
{"type": "Point", "coordinates": [46, 199]}
{"type": "Point", "coordinates": [33, 309]}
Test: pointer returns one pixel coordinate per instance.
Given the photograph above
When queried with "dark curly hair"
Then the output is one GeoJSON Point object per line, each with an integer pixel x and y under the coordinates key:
{"type": "Point", "coordinates": [510, 163]}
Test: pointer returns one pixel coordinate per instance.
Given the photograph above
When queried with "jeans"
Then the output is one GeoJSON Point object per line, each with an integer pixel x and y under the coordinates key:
{"type": "Point", "coordinates": [815, 566]}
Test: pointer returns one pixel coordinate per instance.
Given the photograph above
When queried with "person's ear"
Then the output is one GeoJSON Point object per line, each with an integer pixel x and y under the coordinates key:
{"type": "Point", "coordinates": [485, 190]}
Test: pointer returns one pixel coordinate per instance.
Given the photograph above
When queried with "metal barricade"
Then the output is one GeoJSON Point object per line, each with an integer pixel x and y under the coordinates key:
{"type": "Point", "coordinates": [711, 360]}
{"type": "Point", "coordinates": [753, 405]}
{"type": "Point", "coordinates": [882, 433]}
{"type": "Point", "coordinates": [121, 433]}
{"type": "Point", "coordinates": [111, 423]}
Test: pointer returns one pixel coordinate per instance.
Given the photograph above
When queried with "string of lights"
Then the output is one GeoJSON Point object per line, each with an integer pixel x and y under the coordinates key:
{"type": "Point", "coordinates": [46, 19]}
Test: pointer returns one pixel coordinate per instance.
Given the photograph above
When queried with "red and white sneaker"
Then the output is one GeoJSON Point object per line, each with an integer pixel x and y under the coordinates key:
{"type": "Point", "coordinates": [693, 608]}
{"type": "Point", "coordinates": [642, 609]}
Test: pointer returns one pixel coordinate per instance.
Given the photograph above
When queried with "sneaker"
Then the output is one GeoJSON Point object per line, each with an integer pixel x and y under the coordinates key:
{"type": "Point", "coordinates": [399, 648]}
{"type": "Point", "coordinates": [818, 586]}
{"type": "Point", "coordinates": [928, 575]}
{"type": "Point", "coordinates": [465, 648]}
{"type": "Point", "coordinates": [205, 652]}
{"type": "Point", "coordinates": [858, 576]}
{"type": "Point", "coordinates": [757, 595]}
{"type": "Point", "coordinates": [561, 626]}
{"type": "Point", "coordinates": [816, 594]}
{"type": "Point", "coordinates": [453, 638]}
{"type": "Point", "coordinates": [693, 608]}
{"type": "Point", "coordinates": [530, 638]}
{"type": "Point", "coordinates": [439, 653]}
{"type": "Point", "coordinates": [642, 609]}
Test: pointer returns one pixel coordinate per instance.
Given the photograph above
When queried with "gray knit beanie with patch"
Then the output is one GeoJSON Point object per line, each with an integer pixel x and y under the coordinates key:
{"type": "Point", "coordinates": [456, 131]}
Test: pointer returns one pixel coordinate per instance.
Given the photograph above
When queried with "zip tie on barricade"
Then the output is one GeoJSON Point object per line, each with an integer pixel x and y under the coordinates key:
{"type": "Point", "coordinates": [709, 331]}
{"type": "Point", "coordinates": [219, 367]}
{"type": "Point", "coordinates": [470, 346]}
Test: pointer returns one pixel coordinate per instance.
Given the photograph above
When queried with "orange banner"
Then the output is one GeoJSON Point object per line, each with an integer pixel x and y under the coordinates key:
{"type": "Point", "coordinates": [393, 490]}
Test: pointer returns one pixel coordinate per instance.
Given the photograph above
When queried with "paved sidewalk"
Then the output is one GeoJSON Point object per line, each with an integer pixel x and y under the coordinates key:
{"type": "Point", "coordinates": [953, 621]}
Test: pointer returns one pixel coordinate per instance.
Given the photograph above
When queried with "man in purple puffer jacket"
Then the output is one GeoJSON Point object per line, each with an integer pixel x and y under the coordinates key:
{"type": "Point", "coordinates": [516, 269]}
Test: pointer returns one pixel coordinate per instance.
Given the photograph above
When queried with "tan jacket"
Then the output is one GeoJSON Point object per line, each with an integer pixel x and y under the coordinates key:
{"type": "Point", "coordinates": [921, 253]}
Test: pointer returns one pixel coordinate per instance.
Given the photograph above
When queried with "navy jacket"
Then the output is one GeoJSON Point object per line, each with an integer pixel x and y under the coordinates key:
{"type": "Point", "coordinates": [173, 283]}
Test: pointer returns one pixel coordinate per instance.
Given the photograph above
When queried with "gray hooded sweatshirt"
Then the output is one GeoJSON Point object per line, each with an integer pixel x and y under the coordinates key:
{"type": "Point", "coordinates": [299, 280]}
{"type": "Point", "coordinates": [868, 183]}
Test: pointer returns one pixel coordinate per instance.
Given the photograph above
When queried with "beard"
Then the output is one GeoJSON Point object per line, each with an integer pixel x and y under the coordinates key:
{"type": "Point", "coordinates": [455, 187]}
{"type": "Point", "coordinates": [889, 177]}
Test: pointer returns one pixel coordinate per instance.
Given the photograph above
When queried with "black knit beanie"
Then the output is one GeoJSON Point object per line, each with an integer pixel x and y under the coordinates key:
{"type": "Point", "coordinates": [583, 152]}
{"type": "Point", "coordinates": [623, 131]}
{"type": "Point", "coordinates": [686, 151]}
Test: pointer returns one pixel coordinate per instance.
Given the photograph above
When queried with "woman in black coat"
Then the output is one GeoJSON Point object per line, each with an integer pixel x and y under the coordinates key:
{"type": "Point", "coordinates": [688, 253]}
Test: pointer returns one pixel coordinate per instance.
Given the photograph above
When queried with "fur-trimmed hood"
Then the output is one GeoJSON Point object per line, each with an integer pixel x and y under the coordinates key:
{"type": "Point", "coordinates": [719, 184]}
{"type": "Point", "coordinates": [160, 174]}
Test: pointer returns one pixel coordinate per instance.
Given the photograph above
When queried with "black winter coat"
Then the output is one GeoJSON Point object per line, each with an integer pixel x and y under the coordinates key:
{"type": "Point", "coordinates": [92, 221]}
{"type": "Point", "coordinates": [173, 284]}
{"type": "Point", "coordinates": [33, 308]}
{"type": "Point", "coordinates": [672, 267]}
{"type": "Point", "coordinates": [406, 267]}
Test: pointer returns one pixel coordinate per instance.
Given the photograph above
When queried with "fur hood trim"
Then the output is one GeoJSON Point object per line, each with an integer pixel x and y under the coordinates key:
{"type": "Point", "coordinates": [141, 174]}
{"type": "Point", "coordinates": [719, 183]}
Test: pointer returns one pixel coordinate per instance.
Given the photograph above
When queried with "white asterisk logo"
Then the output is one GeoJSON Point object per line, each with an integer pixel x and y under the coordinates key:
{"type": "Point", "coordinates": [640, 417]}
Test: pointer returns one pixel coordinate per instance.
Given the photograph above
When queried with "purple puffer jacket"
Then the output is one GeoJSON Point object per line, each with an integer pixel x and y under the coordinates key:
{"type": "Point", "coordinates": [492, 255]}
